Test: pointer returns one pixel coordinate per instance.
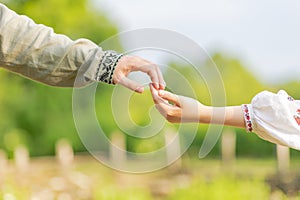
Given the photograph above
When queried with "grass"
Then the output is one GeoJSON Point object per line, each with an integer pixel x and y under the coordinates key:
{"type": "Point", "coordinates": [206, 179]}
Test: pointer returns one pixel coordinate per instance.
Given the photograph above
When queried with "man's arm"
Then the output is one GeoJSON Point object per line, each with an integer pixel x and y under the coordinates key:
{"type": "Point", "coordinates": [36, 52]}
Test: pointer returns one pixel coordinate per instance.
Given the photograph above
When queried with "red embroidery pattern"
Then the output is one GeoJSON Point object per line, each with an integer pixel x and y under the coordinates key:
{"type": "Point", "coordinates": [247, 118]}
{"type": "Point", "coordinates": [297, 117]}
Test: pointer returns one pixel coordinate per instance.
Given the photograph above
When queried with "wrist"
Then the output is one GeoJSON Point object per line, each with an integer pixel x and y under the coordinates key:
{"type": "Point", "coordinates": [121, 66]}
{"type": "Point", "coordinates": [205, 113]}
{"type": "Point", "coordinates": [107, 66]}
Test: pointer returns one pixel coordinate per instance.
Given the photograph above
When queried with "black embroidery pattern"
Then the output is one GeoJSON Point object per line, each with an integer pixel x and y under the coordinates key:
{"type": "Point", "coordinates": [107, 66]}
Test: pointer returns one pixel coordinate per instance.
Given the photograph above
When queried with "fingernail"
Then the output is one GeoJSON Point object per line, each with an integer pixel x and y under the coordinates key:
{"type": "Point", "coordinates": [162, 86]}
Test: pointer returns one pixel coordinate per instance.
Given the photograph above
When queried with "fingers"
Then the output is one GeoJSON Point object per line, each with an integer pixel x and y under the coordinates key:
{"type": "Point", "coordinates": [170, 112]}
{"type": "Point", "coordinates": [162, 109]}
{"type": "Point", "coordinates": [130, 84]}
{"type": "Point", "coordinates": [156, 98]}
{"type": "Point", "coordinates": [153, 71]}
{"type": "Point", "coordinates": [155, 75]}
{"type": "Point", "coordinates": [129, 64]}
{"type": "Point", "coordinates": [161, 81]}
{"type": "Point", "coordinates": [169, 96]}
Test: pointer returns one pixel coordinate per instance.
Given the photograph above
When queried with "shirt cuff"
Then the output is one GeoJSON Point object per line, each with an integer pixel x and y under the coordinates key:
{"type": "Point", "coordinates": [104, 70]}
{"type": "Point", "coordinates": [247, 110]}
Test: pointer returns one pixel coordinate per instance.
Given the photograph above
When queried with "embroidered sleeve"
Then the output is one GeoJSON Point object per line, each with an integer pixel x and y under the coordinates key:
{"type": "Point", "coordinates": [104, 70]}
{"type": "Point", "coordinates": [107, 66]}
{"type": "Point", "coordinates": [247, 117]}
{"type": "Point", "coordinates": [36, 52]}
{"type": "Point", "coordinates": [275, 118]}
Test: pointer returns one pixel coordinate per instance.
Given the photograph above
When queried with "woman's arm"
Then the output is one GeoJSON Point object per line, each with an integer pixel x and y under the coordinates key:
{"type": "Point", "coordinates": [184, 109]}
{"type": "Point", "coordinates": [273, 117]}
{"type": "Point", "coordinates": [229, 116]}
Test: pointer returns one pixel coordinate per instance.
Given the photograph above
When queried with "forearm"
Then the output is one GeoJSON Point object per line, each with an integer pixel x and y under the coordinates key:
{"type": "Point", "coordinates": [229, 116]}
{"type": "Point", "coordinates": [36, 52]}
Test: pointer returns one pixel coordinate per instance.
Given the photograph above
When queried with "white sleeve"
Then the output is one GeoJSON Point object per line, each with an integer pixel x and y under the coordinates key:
{"type": "Point", "coordinates": [275, 118]}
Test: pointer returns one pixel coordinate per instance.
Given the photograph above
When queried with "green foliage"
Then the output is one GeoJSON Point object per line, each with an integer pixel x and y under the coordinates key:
{"type": "Point", "coordinates": [292, 88]}
{"type": "Point", "coordinates": [37, 115]}
{"type": "Point", "coordinates": [240, 86]}
{"type": "Point", "coordinates": [34, 114]}
{"type": "Point", "coordinates": [74, 18]}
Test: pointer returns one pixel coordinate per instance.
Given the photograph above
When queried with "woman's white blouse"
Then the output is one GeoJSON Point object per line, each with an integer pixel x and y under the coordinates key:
{"type": "Point", "coordinates": [275, 118]}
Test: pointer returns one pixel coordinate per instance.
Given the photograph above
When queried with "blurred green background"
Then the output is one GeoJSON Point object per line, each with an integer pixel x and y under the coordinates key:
{"type": "Point", "coordinates": [34, 114]}
{"type": "Point", "coordinates": [37, 116]}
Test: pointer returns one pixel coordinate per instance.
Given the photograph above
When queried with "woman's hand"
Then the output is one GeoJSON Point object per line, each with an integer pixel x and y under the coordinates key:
{"type": "Point", "coordinates": [186, 109]}
{"type": "Point", "coordinates": [129, 64]}
{"type": "Point", "coordinates": [182, 109]}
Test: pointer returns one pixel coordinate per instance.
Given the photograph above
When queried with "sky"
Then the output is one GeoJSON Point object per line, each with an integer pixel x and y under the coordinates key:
{"type": "Point", "coordinates": [264, 35]}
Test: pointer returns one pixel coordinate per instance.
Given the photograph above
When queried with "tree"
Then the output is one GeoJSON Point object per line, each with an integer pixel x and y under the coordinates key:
{"type": "Point", "coordinates": [34, 114]}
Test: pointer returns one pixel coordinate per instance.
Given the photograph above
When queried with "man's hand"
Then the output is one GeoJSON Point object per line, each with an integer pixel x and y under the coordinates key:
{"type": "Point", "coordinates": [129, 64]}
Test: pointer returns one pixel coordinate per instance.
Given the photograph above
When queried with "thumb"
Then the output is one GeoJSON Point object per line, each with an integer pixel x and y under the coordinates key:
{"type": "Point", "coordinates": [132, 85]}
